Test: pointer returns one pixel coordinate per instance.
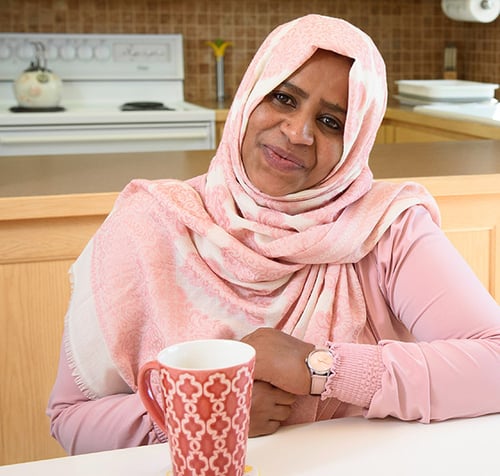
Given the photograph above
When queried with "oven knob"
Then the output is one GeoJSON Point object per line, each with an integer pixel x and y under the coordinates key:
{"type": "Point", "coordinates": [51, 52]}
{"type": "Point", "coordinates": [26, 51]}
{"type": "Point", "coordinates": [102, 52]}
{"type": "Point", "coordinates": [68, 52]}
{"type": "Point", "coordinates": [5, 51]}
{"type": "Point", "coordinates": [85, 52]}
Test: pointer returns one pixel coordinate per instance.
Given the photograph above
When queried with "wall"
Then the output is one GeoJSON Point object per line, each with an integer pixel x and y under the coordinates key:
{"type": "Point", "coordinates": [411, 35]}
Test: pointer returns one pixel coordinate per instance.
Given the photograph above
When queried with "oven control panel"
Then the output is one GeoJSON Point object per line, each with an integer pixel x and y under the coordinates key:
{"type": "Point", "coordinates": [94, 56]}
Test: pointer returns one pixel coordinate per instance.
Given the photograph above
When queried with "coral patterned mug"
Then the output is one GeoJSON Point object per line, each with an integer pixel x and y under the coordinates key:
{"type": "Point", "coordinates": [206, 387]}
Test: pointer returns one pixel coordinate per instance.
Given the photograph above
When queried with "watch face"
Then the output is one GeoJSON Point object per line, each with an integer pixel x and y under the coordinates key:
{"type": "Point", "coordinates": [320, 361]}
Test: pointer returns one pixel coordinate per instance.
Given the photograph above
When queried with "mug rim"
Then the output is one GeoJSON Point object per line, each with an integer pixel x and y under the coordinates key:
{"type": "Point", "coordinates": [246, 353]}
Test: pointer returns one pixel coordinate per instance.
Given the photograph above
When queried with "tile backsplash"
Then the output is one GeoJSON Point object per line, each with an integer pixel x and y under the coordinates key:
{"type": "Point", "coordinates": [411, 35]}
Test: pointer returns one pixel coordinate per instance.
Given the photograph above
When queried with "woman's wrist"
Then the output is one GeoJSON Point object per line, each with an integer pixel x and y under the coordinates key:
{"type": "Point", "coordinates": [357, 373]}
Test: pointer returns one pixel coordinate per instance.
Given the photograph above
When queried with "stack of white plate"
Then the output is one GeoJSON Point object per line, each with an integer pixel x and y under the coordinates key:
{"type": "Point", "coordinates": [449, 91]}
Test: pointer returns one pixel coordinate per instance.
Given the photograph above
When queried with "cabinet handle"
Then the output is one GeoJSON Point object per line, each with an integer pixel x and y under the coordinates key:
{"type": "Point", "coordinates": [26, 139]}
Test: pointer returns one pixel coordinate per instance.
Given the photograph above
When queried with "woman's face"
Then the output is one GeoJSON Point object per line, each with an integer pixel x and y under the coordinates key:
{"type": "Point", "coordinates": [294, 137]}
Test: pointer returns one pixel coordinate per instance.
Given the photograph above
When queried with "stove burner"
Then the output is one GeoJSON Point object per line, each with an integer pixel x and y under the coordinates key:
{"type": "Point", "coordinates": [145, 106]}
{"type": "Point", "coordinates": [36, 109]}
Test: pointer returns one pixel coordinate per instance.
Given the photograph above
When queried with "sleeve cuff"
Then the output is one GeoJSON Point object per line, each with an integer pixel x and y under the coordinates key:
{"type": "Point", "coordinates": [356, 373]}
{"type": "Point", "coordinates": [159, 436]}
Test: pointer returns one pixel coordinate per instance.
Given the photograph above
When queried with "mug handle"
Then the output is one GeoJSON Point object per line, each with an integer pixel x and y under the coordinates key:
{"type": "Point", "coordinates": [147, 395]}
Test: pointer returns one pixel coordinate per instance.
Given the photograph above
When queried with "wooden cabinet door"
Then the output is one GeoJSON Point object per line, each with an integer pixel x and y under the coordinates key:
{"type": "Point", "coordinates": [35, 256]}
{"type": "Point", "coordinates": [472, 223]}
{"type": "Point", "coordinates": [413, 133]}
{"type": "Point", "coordinates": [33, 300]}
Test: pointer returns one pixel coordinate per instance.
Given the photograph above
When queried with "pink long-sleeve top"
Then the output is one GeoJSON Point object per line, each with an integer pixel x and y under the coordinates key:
{"type": "Point", "coordinates": [431, 348]}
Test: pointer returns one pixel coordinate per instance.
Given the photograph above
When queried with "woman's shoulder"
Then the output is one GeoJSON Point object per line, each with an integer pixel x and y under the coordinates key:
{"type": "Point", "coordinates": [411, 227]}
{"type": "Point", "coordinates": [413, 232]}
{"type": "Point", "coordinates": [143, 196]}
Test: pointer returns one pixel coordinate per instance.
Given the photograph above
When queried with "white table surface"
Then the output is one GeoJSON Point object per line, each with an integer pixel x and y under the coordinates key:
{"type": "Point", "coordinates": [350, 446]}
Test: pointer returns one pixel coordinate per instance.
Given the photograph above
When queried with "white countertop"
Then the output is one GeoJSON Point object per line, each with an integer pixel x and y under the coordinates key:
{"type": "Point", "coordinates": [343, 447]}
{"type": "Point", "coordinates": [486, 113]}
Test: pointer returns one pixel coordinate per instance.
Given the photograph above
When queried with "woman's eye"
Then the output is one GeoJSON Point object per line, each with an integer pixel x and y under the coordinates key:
{"type": "Point", "coordinates": [331, 122]}
{"type": "Point", "coordinates": [283, 98]}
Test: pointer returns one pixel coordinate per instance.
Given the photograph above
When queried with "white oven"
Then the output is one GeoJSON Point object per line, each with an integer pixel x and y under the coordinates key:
{"type": "Point", "coordinates": [100, 74]}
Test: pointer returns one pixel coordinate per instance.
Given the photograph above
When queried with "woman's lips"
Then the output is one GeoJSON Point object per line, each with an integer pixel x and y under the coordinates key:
{"type": "Point", "coordinates": [281, 159]}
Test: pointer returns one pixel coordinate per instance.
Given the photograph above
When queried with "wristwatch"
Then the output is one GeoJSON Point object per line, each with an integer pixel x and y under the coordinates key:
{"type": "Point", "coordinates": [319, 362]}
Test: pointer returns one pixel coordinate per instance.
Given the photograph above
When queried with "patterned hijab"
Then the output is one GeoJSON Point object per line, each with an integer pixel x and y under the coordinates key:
{"type": "Point", "coordinates": [283, 52]}
{"type": "Point", "coordinates": [214, 257]}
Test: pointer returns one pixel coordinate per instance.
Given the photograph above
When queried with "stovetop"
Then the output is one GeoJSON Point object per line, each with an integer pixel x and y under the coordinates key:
{"type": "Point", "coordinates": [145, 106]}
{"type": "Point", "coordinates": [74, 114]}
{"type": "Point", "coordinates": [100, 74]}
{"type": "Point", "coordinates": [128, 106]}
{"type": "Point", "coordinates": [23, 109]}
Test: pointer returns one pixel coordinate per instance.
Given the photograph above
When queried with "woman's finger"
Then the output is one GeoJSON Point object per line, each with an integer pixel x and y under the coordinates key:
{"type": "Point", "coordinates": [270, 407]}
{"type": "Point", "coordinates": [281, 412]}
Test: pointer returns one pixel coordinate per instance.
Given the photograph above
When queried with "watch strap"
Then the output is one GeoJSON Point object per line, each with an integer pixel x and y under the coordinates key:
{"type": "Point", "coordinates": [318, 384]}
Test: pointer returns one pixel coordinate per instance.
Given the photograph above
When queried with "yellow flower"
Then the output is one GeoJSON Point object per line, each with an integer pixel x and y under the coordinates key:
{"type": "Point", "coordinates": [219, 46]}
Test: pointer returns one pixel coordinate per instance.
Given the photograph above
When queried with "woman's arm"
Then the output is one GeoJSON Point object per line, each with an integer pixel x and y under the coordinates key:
{"type": "Point", "coordinates": [81, 425]}
{"type": "Point", "coordinates": [453, 368]}
{"type": "Point", "coordinates": [80, 422]}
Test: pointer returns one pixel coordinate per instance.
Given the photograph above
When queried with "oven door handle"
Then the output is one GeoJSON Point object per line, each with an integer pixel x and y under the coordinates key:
{"type": "Point", "coordinates": [34, 139]}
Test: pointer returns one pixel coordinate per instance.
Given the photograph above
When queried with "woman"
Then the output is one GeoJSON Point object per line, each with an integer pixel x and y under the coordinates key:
{"type": "Point", "coordinates": [288, 244]}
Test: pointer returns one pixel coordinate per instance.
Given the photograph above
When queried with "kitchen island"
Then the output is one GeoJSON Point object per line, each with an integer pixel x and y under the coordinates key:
{"type": "Point", "coordinates": [50, 206]}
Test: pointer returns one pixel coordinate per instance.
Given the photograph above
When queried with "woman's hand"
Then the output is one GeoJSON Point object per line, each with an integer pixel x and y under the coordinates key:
{"type": "Point", "coordinates": [280, 360]}
{"type": "Point", "coordinates": [270, 407]}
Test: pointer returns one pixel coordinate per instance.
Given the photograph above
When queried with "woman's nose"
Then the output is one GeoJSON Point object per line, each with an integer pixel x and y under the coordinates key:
{"type": "Point", "coordinates": [298, 129]}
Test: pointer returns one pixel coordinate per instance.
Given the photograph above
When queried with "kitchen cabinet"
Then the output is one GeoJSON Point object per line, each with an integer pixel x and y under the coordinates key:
{"type": "Point", "coordinates": [44, 227]}
{"type": "Point", "coordinates": [399, 132]}
{"type": "Point", "coordinates": [35, 255]}
{"type": "Point", "coordinates": [402, 125]}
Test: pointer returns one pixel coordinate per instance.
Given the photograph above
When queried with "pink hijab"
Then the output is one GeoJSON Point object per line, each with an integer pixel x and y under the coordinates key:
{"type": "Point", "coordinates": [215, 258]}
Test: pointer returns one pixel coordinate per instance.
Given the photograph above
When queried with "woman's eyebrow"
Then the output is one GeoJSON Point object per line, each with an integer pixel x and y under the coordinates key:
{"type": "Point", "coordinates": [300, 92]}
{"type": "Point", "coordinates": [334, 107]}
